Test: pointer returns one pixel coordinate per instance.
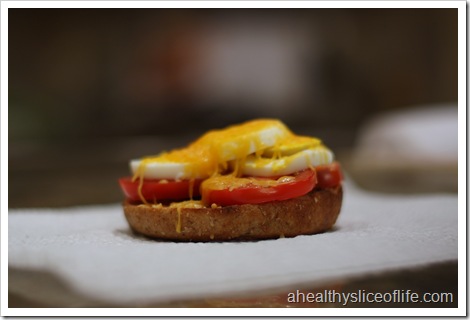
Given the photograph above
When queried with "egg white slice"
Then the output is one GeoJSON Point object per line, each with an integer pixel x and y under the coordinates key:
{"type": "Point", "coordinates": [263, 167]}
{"type": "Point", "coordinates": [292, 146]}
{"type": "Point", "coordinates": [245, 143]}
{"type": "Point", "coordinates": [163, 170]}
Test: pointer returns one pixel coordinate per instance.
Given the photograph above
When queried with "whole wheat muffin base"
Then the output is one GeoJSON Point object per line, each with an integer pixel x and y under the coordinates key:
{"type": "Point", "coordinates": [312, 213]}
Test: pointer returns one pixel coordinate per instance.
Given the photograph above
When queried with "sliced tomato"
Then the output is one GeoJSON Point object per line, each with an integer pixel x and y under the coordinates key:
{"type": "Point", "coordinates": [257, 191]}
{"type": "Point", "coordinates": [329, 175]}
{"type": "Point", "coordinates": [157, 190]}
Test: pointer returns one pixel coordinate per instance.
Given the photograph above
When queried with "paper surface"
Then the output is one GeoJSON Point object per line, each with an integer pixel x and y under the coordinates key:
{"type": "Point", "coordinates": [95, 256]}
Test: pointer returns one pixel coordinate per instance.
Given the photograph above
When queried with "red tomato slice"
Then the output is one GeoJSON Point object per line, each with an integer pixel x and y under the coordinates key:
{"type": "Point", "coordinates": [157, 190]}
{"type": "Point", "coordinates": [329, 175]}
{"type": "Point", "coordinates": [253, 192]}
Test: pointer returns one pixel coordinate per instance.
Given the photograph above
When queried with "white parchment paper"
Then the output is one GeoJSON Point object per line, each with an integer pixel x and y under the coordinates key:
{"type": "Point", "coordinates": [93, 253]}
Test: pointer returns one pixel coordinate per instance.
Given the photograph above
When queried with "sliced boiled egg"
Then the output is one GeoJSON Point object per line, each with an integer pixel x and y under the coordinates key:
{"type": "Point", "coordinates": [285, 165]}
{"type": "Point", "coordinates": [236, 142]}
{"type": "Point", "coordinates": [291, 145]}
{"type": "Point", "coordinates": [211, 153]}
{"type": "Point", "coordinates": [164, 170]}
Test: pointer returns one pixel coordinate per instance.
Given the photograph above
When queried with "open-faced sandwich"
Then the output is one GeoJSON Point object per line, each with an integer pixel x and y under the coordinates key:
{"type": "Point", "coordinates": [255, 180]}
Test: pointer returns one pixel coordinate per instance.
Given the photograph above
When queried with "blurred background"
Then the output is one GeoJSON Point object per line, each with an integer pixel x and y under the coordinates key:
{"type": "Point", "coordinates": [90, 89]}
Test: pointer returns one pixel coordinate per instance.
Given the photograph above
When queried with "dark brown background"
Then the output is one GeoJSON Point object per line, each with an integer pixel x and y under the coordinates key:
{"type": "Point", "coordinates": [91, 88]}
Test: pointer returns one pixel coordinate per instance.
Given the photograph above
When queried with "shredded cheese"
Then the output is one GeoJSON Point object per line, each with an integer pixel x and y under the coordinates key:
{"type": "Point", "coordinates": [220, 155]}
{"type": "Point", "coordinates": [178, 225]}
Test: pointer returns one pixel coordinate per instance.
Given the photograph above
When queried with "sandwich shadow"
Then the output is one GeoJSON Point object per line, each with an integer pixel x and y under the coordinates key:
{"type": "Point", "coordinates": [130, 235]}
